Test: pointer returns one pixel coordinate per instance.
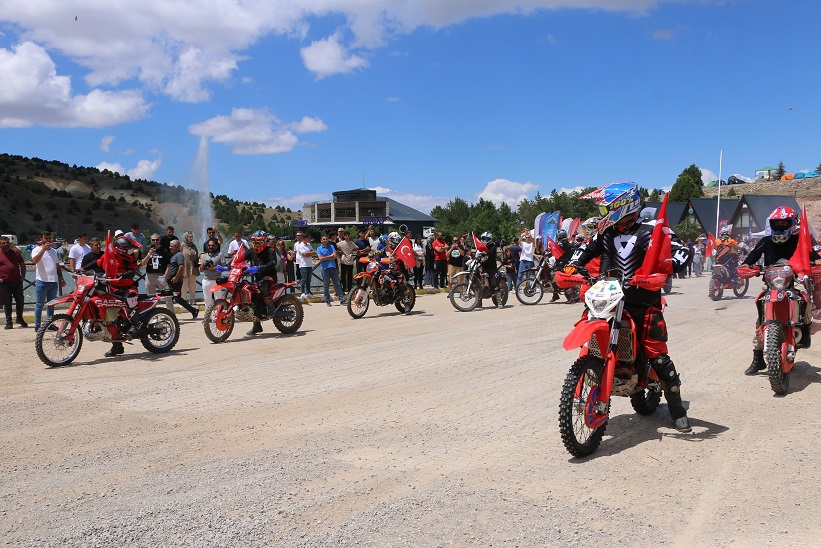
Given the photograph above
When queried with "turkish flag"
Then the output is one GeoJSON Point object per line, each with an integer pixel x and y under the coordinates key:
{"type": "Point", "coordinates": [480, 246]}
{"type": "Point", "coordinates": [404, 252]}
{"type": "Point", "coordinates": [239, 257]}
{"type": "Point", "coordinates": [800, 260]}
{"type": "Point", "coordinates": [554, 248]}
{"type": "Point", "coordinates": [109, 257]}
{"type": "Point", "coordinates": [659, 256]}
{"type": "Point", "coordinates": [711, 244]}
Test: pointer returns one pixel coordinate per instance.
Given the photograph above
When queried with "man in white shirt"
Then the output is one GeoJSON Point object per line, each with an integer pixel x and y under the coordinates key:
{"type": "Point", "coordinates": [238, 241]}
{"type": "Point", "coordinates": [304, 259]}
{"type": "Point", "coordinates": [49, 277]}
{"type": "Point", "coordinates": [77, 252]}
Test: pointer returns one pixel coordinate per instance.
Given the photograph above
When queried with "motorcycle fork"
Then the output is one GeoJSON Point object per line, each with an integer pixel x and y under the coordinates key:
{"type": "Point", "coordinates": [610, 359]}
{"type": "Point", "coordinates": [781, 311]}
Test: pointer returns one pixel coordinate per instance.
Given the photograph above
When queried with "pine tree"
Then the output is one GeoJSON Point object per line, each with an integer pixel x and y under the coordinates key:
{"type": "Point", "coordinates": [780, 172]}
{"type": "Point", "coordinates": [688, 185]}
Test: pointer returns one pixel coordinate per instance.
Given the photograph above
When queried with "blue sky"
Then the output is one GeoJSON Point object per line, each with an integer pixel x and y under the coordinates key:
{"type": "Point", "coordinates": [287, 101]}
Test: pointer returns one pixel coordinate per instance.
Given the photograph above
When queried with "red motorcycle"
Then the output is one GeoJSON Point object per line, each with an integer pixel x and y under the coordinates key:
{"type": "Point", "coordinates": [782, 324]}
{"type": "Point", "coordinates": [384, 285]}
{"type": "Point", "coordinates": [98, 315]}
{"type": "Point", "coordinates": [242, 297]}
{"type": "Point", "coordinates": [611, 363]}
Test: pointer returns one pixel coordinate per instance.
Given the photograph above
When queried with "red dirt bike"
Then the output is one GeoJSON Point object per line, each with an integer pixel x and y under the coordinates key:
{"type": "Point", "coordinates": [384, 285]}
{"type": "Point", "coordinates": [781, 324]}
{"type": "Point", "coordinates": [98, 315]}
{"type": "Point", "coordinates": [239, 303]}
{"type": "Point", "coordinates": [721, 279]}
{"type": "Point", "coordinates": [531, 287]}
{"type": "Point", "coordinates": [611, 363]}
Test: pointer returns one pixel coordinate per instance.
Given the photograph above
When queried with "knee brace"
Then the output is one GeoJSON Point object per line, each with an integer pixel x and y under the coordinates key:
{"type": "Point", "coordinates": [666, 371]}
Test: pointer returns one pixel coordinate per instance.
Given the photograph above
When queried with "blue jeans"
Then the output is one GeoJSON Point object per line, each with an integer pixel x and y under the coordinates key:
{"type": "Point", "coordinates": [331, 275]}
{"type": "Point", "coordinates": [305, 280]}
{"type": "Point", "coordinates": [523, 265]}
{"type": "Point", "coordinates": [44, 292]}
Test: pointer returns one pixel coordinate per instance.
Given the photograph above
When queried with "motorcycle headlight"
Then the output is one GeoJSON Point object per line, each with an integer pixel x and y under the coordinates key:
{"type": "Point", "coordinates": [779, 277]}
{"type": "Point", "coordinates": [598, 306]}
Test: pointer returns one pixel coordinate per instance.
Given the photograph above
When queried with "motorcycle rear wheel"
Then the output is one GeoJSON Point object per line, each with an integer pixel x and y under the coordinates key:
{"type": "Point", "coordinates": [464, 299]}
{"type": "Point", "coordinates": [715, 289]}
{"type": "Point", "coordinates": [358, 301]}
{"type": "Point", "coordinates": [52, 347]}
{"type": "Point", "coordinates": [219, 331]}
{"type": "Point", "coordinates": [668, 285]}
{"type": "Point", "coordinates": [779, 380]}
{"type": "Point", "coordinates": [160, 331]}
{"type": "Point", "coordinates": [291, 322]}
{"type": "Point", "coordinates": [499, 297]}
{"type": "Point", "coordinates": [578, 439]}
{"type": "Point", "coordinates": [645, 402]}
{"type": "Point", "coordinates": [409, 299]}
{"type": "Point", "coordinates": [529, 290]}
{"type": "Point", "coordinates": [741, 289]}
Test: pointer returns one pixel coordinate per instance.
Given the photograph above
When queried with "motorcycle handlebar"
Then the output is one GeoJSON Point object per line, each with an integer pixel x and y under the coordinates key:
{"type": "Point", "coordinates": [745, 272]}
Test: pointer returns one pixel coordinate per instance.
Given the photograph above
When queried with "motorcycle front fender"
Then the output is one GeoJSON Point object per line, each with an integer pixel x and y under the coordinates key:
{"type": "Point", "coordinates": [228, 286]}
{"type": "Point", "coordinates": [584, 330]}
{"type": "Point", "coordinates": [63, 299]}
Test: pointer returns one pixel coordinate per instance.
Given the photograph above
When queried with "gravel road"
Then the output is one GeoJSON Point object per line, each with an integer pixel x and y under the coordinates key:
{"type": "Point", "coordinates": [434, 429]}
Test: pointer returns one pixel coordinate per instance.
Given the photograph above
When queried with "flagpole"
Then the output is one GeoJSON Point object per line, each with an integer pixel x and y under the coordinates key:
{"type": "Point", "coordinates": [718, 202]}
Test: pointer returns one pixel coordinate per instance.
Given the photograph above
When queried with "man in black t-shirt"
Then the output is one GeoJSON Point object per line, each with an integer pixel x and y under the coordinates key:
{"type": "Point", "coordinates": [166, 240]}
{"type": "Point", "coordinates": [155, 263]}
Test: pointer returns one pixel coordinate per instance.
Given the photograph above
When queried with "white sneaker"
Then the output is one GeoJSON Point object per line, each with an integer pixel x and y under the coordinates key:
{"type": "Point", "coordinates": [302, 297]}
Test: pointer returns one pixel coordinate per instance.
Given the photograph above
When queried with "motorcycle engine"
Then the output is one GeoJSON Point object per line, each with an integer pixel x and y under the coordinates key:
{"type": "Point", "coordinates": [96, 331]}
{"type": "Point", "coordinates": [625, 381]}
{"type": "Point", "coordinates": [244, 313]}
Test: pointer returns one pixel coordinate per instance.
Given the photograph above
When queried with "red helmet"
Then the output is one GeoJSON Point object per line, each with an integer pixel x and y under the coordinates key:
{"type": "Point", "coordinates": [783, 223]}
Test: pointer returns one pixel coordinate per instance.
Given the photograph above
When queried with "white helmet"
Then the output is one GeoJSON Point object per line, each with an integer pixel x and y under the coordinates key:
{"type": "Point", "coordinates": [486, 237]}
{"type": "Point", "coordinates": [393, 239]}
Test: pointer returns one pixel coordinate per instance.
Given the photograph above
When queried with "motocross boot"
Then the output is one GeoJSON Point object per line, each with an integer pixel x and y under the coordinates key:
{"type": "Point", "coordinates": [115, 350]}
{"type": "Point", "coordinates": [758, 363]}
{"type": "Point", "coordinates": [666, 371]}
{"type": "Point", "coordinates": [256, 329]}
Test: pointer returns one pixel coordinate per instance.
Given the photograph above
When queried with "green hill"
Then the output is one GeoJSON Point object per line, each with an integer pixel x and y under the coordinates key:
{"type": "Point", "coordinates": [38, 195]}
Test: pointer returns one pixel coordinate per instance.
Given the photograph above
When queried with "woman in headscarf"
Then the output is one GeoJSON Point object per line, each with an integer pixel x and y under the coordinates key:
{"type": "Point", "coordinates": [191, 268]}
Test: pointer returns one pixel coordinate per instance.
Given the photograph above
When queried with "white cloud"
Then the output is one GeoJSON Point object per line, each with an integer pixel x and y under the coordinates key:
{"type": "Point", "coordinates": [295, 202]}
{"type": "Point", "coordinates": [663, 34]}
{"type": "Point", "coordinates": [180, 48]}
{"type": "Point", "coordinates": [33, 93]}
{"type": "Point", "coordinates": [255, 131]}
{"type": "Point", "coordinates": [708, 176]}
{"type": "Point", "coordinates": [327, 57]}
{"type": "Point", "coordinates": [509, 192]}
{"type": "Point", "coordinates": [112, 167]}
{"type": "Point", "coordinates": [145, 169]}
{"type": "Point", "coordinates": [105, 143]}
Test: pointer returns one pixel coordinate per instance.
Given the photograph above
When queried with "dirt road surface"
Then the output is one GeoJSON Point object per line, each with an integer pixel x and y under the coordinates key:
{"type": "Point", "coordinates": [434, 429]}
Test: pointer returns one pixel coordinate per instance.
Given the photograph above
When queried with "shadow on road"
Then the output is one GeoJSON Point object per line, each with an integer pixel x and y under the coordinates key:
{"type": "Point", "coordinates": [629, 430]}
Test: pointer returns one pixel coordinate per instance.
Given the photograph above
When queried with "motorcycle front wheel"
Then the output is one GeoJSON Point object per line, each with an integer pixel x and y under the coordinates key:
{"type": "Point", "coordinates": [582, 379]}
{"type": "Point", "coordinates": [779, 380]}
{"type": "Point", "coordinates": [54, 346]}
{"type": "Point", "coordinates": [160, 331]}
{"type": "Point", "coordinates": [740, 289]}
{"type": "Point", "coordinates": [219, 321]}
{"type": "Point", "coordinates": [408, 300]}
{"type": "Point", "coordinates": [464, 299]}
{"type": "Point", "coordinates": [289, 315]}
{"type": "Point", "coordinates": [358, 301]}
{"type": "Point", "coordinates": [715, 290]}
{"type": "Point", "coordinates": [529, 290]}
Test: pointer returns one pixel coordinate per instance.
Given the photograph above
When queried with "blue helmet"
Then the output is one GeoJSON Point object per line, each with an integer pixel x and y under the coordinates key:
{"type": "Point", "coordinates": [618, 202]}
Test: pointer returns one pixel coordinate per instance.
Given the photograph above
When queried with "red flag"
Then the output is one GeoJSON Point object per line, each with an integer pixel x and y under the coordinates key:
{"type": "Point", "coordinates": [404, 252]}
{"type": "Point", "coordinates": [480, 246]}
{"type": "Point", "coordinates": [800, 260]}
{"type": "Point", "coordinates": [239, 257]}
{"type": "Point", "coordinates": [711, 244]}
{"type": "Point", "coordinates": [554, 248]}
{"type": "Point", "coordinates": [659, 256]}
{"type": "Point", "coordinates": [109, 257]}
